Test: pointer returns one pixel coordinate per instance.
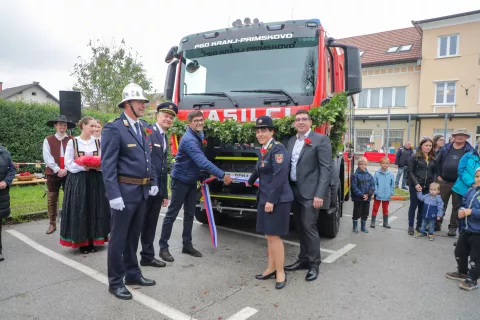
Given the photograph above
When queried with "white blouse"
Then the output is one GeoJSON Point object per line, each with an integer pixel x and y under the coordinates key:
{"type": "Point", "coordinates": [89, 147]}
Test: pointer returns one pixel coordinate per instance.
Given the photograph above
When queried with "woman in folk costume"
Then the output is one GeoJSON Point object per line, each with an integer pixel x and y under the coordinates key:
{"type": "Point", "coordinates": [85, 212]}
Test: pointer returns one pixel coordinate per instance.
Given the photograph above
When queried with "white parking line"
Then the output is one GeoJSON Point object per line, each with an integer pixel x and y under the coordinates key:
{"type": "Point", "coordinates": [334, 255]}
{"type": "Point", "coordinates": [147, 301]}
{"type": "Point", "coordinates": [243, 314]}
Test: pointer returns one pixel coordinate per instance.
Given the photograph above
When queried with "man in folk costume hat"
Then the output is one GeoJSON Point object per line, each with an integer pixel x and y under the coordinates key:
{"type": "Point", "coordinates": [129, 181]}
{"type": "Point", "coordinates": [53, 156]}
{"type": "Point", "coordinates": [166, 113]}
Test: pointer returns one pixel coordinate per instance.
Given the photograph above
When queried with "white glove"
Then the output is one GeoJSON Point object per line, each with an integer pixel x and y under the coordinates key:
{"type": "Point", "coordinates": [153, 191]}
{"type": "Point", "coordinates": [117, 204]}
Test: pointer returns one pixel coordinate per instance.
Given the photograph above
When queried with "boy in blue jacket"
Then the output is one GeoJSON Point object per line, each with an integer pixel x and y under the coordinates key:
{"type": "Point", "coordinates": [384, 189]}
{"type": "Point", "coordinates": [432, 210]}
{"type": "Point", "coordinates": [363, 187]}
{"type": "Point", "coordinates": [468, 243]}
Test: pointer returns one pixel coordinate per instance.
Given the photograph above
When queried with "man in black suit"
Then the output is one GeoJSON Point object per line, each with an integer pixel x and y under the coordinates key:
{"type": "Point", "coordinates": [310, 174]}
{"type": "Point", "coordinates": [158, 140]}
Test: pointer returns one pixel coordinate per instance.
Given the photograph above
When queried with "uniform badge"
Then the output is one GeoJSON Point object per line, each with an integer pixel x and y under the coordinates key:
{"type": "Point", "coordinates": [262, 164]}
{"type": "Point", "coordinates": [260, 121]}
{"type": "Point", "coordinates": [125, 122]}
{"type": "Point", "coordinates": [279, 158]}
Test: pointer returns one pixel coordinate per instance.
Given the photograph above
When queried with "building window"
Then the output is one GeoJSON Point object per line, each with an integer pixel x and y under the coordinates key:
{"type": "Point", "coordinates": [448, 45]}
{"type": "Point", "coordinates": [395, 138]}
{"type": "Point", "coordinates": [382, 97]}
{"type": "Point", "coordinates": [441, 132]}
{"type": "Point", "coordinates": [362, 140]}
{"type": "Point", "coordinates": [34, 93]}
{"type": "Point", "coordinates": [445, 92]}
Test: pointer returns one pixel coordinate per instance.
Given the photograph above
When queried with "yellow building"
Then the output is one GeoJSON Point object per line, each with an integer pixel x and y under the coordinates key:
{"type": "Point", "coordinates": [427, 76]}
{"type": "Point", "coordinates": [450, 77]}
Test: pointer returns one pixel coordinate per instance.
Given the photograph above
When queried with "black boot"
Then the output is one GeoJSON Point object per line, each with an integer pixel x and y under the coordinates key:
{"type": "Point", "coordinates": [385, 222]}
{"type": "Point", "coordinates": [1, 256]}
{"type": "Point", "coordinates": [364, 226]}
{"type": "Point", "coordinates": [374, 219]}
{"type": "Point", "coordinates": [355, 226]}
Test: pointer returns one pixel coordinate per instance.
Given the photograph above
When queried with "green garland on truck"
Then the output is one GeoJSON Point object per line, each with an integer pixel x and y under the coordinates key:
{"type": "Point", "coordinates": [230, 131]}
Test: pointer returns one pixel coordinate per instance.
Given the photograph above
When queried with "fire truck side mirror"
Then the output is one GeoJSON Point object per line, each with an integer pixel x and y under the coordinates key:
{"type": "Point", "coordinates": [171, 54]}
{"type": "Point", "coordinates": [170, 81]}
{"type": "Point", "coordinates": [353, 70]}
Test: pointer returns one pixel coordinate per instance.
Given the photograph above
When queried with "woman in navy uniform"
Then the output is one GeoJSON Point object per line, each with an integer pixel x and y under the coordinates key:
{"type": "Point", "coordinates": [274, 198]}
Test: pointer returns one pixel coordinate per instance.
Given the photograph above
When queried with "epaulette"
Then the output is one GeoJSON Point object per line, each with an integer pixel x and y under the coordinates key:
{"type": "Point", "coordinates": [276, 142]}
{"type": "Point", "coordinates": [112, 120]}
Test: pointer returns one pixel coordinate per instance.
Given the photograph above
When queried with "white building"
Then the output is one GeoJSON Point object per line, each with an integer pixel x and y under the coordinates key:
{"type": "Point", "coordinates": [33, 92]}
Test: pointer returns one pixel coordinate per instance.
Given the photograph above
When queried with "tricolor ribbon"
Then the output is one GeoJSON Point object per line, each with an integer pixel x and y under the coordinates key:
{"type": "Point", "coordinates": [208, 205]}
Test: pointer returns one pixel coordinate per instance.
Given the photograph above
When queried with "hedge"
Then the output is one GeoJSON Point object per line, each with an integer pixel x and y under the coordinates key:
{"type": "Point", "coordinates": [23, 127]}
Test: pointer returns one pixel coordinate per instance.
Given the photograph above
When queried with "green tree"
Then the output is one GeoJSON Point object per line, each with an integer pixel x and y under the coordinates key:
{"type": "Point", "coordinates": [102, 78]}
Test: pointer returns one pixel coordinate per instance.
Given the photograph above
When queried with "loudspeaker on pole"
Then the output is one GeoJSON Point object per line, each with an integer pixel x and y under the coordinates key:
{"type": "Point", "coordinates": [71, 105]}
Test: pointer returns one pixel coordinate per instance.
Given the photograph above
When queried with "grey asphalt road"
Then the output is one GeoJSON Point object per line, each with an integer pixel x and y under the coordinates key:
{"type": "Point", "coordinates": [387, 274]}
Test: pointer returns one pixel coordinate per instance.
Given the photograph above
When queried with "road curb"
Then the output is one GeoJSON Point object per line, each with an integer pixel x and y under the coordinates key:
{"type": "Point", "coordinates": [28, 217]}
{"type": "Point", "coordinates": [400, 198]}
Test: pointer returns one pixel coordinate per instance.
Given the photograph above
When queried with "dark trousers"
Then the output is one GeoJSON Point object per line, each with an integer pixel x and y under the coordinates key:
{"type": "Point", "coordinates": [185, 195]}
{"type": "Point", "coordinates": [468, 244]}
{"type": "Point", "coordinates": [0, 235]}
{"type": "Point", "coordinates": [122, 249]}
{"type": "Point", "coordinates": [415, 204]}
{"type": "Point", "coordinates": [306, 217]}
{"type": "Point", "coordinates": [154, 204]}
{"type": "Point", "coordinates": [361, 209]}
{"type": "Point", "coordinates": [445, 192]}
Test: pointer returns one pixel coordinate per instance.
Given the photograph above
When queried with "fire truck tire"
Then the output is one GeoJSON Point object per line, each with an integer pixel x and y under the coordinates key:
{"type": "Point", "coordinates": [201, 216]}
{"type": "Point", "coordinates": [329, 220]}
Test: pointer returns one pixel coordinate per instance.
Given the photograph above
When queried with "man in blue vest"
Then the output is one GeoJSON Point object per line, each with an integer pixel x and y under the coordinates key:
{"type": "Point", "coordinates": [189, 161]}
{"type": "Point", "coordinates": [166, 113]}
{"type": "Point", "coordinates": [128, 178]}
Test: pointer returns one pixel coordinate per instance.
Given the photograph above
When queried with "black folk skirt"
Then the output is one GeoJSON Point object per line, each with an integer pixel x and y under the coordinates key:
{"type": "Point", "coordinates": [85, 211]}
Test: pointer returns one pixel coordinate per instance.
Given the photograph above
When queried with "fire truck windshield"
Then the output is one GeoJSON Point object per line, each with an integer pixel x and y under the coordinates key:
{"type": "Point", "coordinates": [286, 64]}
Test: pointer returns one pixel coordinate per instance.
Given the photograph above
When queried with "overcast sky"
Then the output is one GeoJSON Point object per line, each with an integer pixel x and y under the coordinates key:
{"type": "Point", "coordinates": [41, 40]}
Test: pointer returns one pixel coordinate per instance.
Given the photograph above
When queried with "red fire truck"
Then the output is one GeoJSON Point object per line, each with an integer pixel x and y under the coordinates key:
{"type": "Point", "coordinates": [255, 69]}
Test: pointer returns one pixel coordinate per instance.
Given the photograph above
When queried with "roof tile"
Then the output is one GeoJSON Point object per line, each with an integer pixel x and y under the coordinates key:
{"type": "Point", "coordinates": [376, 45]}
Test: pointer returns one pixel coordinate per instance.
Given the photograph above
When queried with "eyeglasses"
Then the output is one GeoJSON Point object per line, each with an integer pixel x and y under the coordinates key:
{"type": "Point", "coordinates": [198, 121]}
{"type": "Point", "coordinates": [301, 119]}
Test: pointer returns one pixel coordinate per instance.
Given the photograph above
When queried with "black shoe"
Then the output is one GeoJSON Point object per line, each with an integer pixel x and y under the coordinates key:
{"type": "Point", "coordinates": [1, 257]}
{"type": "Point", "coordinates": [281, 285]}
{"type": "Point", "coordinates": [91, 248]}
{"type": "Point", "coordinates": [191, 251]}
{"type": "Point", "coordinates": [298, 265]}
{"type": "Point", "coordinates": [166, 256]}
{"type": "Point", "coordinates": [84, 250]}
{"type": "Point", "coordinates": [266, 277]}
{"type": "Point", "coordinates": [312, 273]}
{"type": "Point", "coordinates": [410, 231]}
{"type": "Point", "coordinates": [140, 282]}
{"type": "Point", "coordinates": [438, 227]}
{"type": "Point", "coordinates": [452, 232]}
{"type": "Point", "coordinates": [121, 293]}
{"type": "Point", "coordinates": [152, 263]}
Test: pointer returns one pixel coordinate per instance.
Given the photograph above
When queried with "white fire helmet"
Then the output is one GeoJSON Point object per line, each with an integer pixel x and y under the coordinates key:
{"type": "Point", "coordinates": [132, 92]}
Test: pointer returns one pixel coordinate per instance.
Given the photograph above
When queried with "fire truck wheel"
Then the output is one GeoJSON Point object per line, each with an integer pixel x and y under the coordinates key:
{"type": "Point", "coordinates": [201, 216]}
{"type": "Point", "coordinates": [329, 220]}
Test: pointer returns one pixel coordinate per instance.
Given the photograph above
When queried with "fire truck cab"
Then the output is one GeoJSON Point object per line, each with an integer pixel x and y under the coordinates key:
{"type": "Point", "coordinates": [255, 69]}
